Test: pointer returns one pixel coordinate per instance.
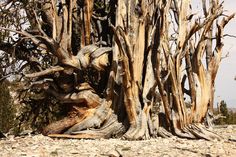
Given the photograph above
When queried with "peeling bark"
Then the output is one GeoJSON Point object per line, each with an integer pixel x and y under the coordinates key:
{"type": "Point", "coordinates": [134, 87]}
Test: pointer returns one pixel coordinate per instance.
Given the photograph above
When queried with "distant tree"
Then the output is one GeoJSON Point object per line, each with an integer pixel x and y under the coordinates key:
{"type": "Point", "coordinates": [6, 108]}
{"type": "Point", "coordinates": [226, 116]}
{"type": "Point", "coordinates": [232, 118]}
{"type": "Point", "coordinates": [223, 108]}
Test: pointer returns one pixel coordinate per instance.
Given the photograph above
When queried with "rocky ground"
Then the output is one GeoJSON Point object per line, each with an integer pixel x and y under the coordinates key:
{"type": "Point", "coordinates": [41, 146]}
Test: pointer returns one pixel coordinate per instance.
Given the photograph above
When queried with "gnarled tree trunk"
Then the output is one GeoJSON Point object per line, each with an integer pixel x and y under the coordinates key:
{"type": "Point", "coordinates": [127, 67]}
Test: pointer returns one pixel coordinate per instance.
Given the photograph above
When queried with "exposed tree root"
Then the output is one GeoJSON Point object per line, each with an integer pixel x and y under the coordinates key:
{"type": "Point", "coordinates": [110, 128]}
{"type": "Point", "coordinates": [200, 131]}
{"type": "Point", "coordinates": [192, 130]}
{"type": "Point", "coordinates": [94, 119]}
{"type": "Point", "coordinates": [99, 122]}
{"type": "Point", "coordinates": [159, 130]}
{"type": "Point", "coordinates": [162, 132]}
{"type": "Point", "coordinates": [90, 118]}
{"type": "Point", "coordinates": [146, 128]}
{"type": "Point", "coordinates": [60, 126]}
{"type": "Point", "coordinates": [141, 131]}
{"type": "Point", "coordinates": [196, 131]}
{"type": "Point", "coordinates": [183, 133]}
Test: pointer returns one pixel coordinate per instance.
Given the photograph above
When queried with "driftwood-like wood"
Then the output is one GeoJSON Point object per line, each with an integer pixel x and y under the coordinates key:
{"type": "Point", "coordinates": [136, 69]}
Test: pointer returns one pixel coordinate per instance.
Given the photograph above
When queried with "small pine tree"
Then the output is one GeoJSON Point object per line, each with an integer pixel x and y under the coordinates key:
{"type": "Point", "coordinates": [223, 110]}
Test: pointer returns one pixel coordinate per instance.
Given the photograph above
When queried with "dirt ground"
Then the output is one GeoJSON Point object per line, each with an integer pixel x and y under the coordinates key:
{"type": "Point", "coordinates": [41, 146]}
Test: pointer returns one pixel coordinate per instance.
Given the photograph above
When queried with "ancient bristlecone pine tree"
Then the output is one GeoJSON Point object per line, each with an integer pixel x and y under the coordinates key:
{"type": "Point", "coordinates": [131, 68]}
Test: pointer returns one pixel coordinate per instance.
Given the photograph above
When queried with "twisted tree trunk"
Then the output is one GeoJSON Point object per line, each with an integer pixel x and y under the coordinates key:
{"type": "Point", "coordinates": [134, 86]}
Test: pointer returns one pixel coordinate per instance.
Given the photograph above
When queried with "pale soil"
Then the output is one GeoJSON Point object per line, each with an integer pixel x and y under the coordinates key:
{"type": "Point", "coordinates": [41, 146]}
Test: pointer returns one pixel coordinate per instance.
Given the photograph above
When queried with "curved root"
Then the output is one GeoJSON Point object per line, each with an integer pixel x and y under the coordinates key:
{"type": "Point", "coordinates": [110, 128]}
{"type": "Point", "coordinates": [93, 119]}
{"type": "Point", "coordinates": [60, 126]}
{"type": "Point", "coordinates": [143, 128]}
{"type": "Point", "coordinates": [200, 131]}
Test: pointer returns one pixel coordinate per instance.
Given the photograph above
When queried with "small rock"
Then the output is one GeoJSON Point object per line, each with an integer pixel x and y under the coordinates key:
{"type": "Point", "coordinates": [54, 153]}
{"type": "Point", "coordinates": [126, 148]}
{"type": "Point", "coordinates": [114, 153]}
{"type": "Point", "coordinates": [208, 155]}
{"type": "Point", "coordinates": [26, 132]}
{"type": "Point", "coordinates": [74, 152]}
{"type": "Point", "coordinates": [230, 127]}
{"type": "Point", "coordinates": [232, 138]}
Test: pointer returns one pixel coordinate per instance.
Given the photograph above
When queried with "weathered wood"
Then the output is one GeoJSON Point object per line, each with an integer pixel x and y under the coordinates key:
{"type": "Point", "coordinates": [161, 52]}
{"type": "Point", "coordinates": [45, 72]}
{"type": "Point", "coordinates": [60, 126]}
{"type": "Point", "coordinates": [111, 128]}
{"type": "Point", "coordinates": [93, 118]}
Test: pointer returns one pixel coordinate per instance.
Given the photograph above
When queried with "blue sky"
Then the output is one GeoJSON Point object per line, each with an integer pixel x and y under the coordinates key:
{"type": "Point", "coordinates": [225, 83]}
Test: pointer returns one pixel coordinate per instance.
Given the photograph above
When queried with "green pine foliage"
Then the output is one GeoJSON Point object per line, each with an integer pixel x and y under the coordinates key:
{"type": "Point", "coordinates": [229, 117]}
{"type": "Point", "coordinates": [6, 108]}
